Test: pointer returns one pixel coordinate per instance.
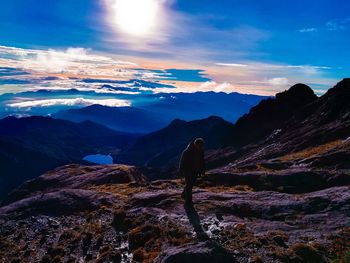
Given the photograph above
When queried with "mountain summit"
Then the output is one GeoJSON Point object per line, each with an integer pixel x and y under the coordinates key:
{"type": "Point", "coordinates": [270, 114]}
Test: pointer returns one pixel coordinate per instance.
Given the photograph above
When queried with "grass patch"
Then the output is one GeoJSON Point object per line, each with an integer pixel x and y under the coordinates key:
{"type": "Point", "coordinates": [312, 151]}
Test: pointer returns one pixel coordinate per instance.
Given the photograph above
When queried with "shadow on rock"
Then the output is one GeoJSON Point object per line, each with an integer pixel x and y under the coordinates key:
{"type": "Point", "coordinates": [195, 221]}
{"type": "Point", "coordinates": [205, 251]}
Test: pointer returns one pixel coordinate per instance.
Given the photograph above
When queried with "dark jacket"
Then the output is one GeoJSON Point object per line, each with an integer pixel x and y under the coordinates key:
{"type": "Point", "coordinates": [192, 161]}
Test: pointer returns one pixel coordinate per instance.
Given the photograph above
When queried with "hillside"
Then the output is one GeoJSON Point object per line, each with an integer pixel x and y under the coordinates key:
{"type": "Point", "coordinates": [315, 136]}
{"type": "Point", "coordinates": [33, 145]}
{"type": "Point", "coordinates": [163, 147]}
{"type": "Point", "coordinates": [127, 119]}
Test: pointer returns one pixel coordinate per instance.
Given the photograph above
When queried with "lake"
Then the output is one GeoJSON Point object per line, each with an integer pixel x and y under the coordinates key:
{"type": "Point", "coordinates": [99, 159]}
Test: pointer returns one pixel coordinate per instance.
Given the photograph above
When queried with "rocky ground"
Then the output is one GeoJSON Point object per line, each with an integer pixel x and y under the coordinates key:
{"type": "Point", "coordinates": [112, 214]}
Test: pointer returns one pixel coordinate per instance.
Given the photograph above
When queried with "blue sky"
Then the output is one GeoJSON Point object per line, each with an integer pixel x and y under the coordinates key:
{"type": "Point", "coordinates": [253, 46]}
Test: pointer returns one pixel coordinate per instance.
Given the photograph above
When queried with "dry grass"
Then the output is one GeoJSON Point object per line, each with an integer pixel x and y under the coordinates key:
{"type": "Point", "coordinates": [120, 190]}
{"type": "Point", "coordinates": [312, 151]}
{"type": "Point", "coordinates": [341, 246]}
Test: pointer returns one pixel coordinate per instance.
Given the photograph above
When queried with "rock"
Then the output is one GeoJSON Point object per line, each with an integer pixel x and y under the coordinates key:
{"type": "Point", "coordinates": [270, 115]}
{"type": "Point", "coordinates": [296, 180]}
{"type": "Point", "coordinates": [77, 176]}
{"type": "Point", "coordinates": [62, 202]}
{"type": "Point", "coordinates": [294, 130]}
{"type": "Point", "coordinates": [196, 253]}
{"type": "Point", "coordinates": [110, 213]}
{"type": "Point", "coordinates": [306, 253]}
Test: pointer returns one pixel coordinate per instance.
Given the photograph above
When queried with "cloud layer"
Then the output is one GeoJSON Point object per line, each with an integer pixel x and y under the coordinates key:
{"type": "Point", "coordinates": [68, 102]}
{"type": "Point", "coordinates": [85, 71]}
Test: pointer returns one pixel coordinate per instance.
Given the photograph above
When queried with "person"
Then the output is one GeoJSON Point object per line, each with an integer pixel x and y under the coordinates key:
{"type": "Point", "coordinates": [191, 165]}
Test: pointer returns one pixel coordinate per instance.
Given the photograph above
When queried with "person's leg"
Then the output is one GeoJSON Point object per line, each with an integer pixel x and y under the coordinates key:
{"type": "Point", "coordinates": [184, 192]}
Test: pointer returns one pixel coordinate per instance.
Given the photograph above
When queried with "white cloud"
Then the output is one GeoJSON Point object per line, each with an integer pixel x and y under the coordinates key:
{"type": "Point", "coordinates": [232, 65]}
{"type": "Point", "coordinates": [69, 102]}
{"type": "Point", "coordinates": [331, 25]}
{"type": "Point", "coordinates": [195, 87]}
{"type": "Point", "coordinates": [216, 87]}
{"type": "Point", "coordinates": [278, 82]}
{"type": "Point", "coordinates": [259, 65]}
{"type": "Point", "coordinates": [73, 64]}
{"type": "Point", "coordinates": [308, 30]}
{"type": "Point", "coordinates": [143, 29]}
{"type": "Point", "coordinates": [335, 25]}
{"type": "Point", "coordinates": [89, 88]}
{"type": "Point", "coordinates": [71, 60]}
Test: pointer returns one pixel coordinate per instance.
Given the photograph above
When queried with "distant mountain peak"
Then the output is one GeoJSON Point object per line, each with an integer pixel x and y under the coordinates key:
{"type": "Point", "coordinates": [270, 114]}
{"type": "Point", "coordinates": [176, 122]}
{"type": "Point", "coordinates": [300, 92]}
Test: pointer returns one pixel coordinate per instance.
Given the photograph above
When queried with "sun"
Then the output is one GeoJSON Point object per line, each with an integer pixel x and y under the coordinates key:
{"type": "Point", "coordinates": [136, 17]}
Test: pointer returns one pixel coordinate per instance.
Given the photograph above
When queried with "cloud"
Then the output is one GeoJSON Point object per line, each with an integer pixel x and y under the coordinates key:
{"type": "Point", "coordinates": [97, 90]}
{"type": "Point", "coordinates": [69, 102]}
{"type": "Point", "coordinates": [87, 71]}
{"type": "Point", "coordinates": [308, 30]}
{"type": "Point", "coordinates": [71, 60]}
{"type": "Point", "coordinates": [237, 65]}
{"type": "Point", "coordinates": [337, 24]}
{"type": "Point", "coordinates": [259, 65]}
{"type": "Point", "coordinates": [331, 25]}
{"type": "Point", "coordinates": [177, 35]}
{"type": "Point", "coordinates": [192, 87]}
{"type": "Point", "coordinates": [216, 87]}
{"type": "Point", "coordinates": [278, 82]}
{"type": "Point", "coordinates": [143, 28]}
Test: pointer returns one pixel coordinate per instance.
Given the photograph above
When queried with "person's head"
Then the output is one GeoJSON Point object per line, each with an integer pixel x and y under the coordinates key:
{"type": "Point", "coordinates": [199, 143]}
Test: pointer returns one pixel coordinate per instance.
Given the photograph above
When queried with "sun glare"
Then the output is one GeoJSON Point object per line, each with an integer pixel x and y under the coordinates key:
{"type": "Point", "coordinates": [136, 17]}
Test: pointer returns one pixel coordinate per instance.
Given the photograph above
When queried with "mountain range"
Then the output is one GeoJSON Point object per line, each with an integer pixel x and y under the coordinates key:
{"type": "Point", "coordinates": [295, 111]}
{"type": "Point", "coordinates": [155, 111]}
{"type": "Point", "coordinates": [276, 188]}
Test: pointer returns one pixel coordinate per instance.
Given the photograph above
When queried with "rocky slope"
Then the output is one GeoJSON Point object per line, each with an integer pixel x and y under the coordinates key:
{"type": "Point", "coordinates": [316, 136]}
{"type": "Point", "coordinates": [270, 114]}
{"type": "Point", "coordinates": [112, 214]}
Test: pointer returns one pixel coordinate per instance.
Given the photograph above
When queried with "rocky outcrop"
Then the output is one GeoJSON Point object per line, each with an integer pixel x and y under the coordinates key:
{"type": "Point", "coordinates": [297, 180]}
{"type": "Point", "coordinates": [76, 177]}
{"type": "Point", "coordinates": [58, 203]}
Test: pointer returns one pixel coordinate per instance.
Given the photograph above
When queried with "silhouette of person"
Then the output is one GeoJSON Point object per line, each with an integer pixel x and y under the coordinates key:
{"type": "Point", "coordinates": [191, 165]}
